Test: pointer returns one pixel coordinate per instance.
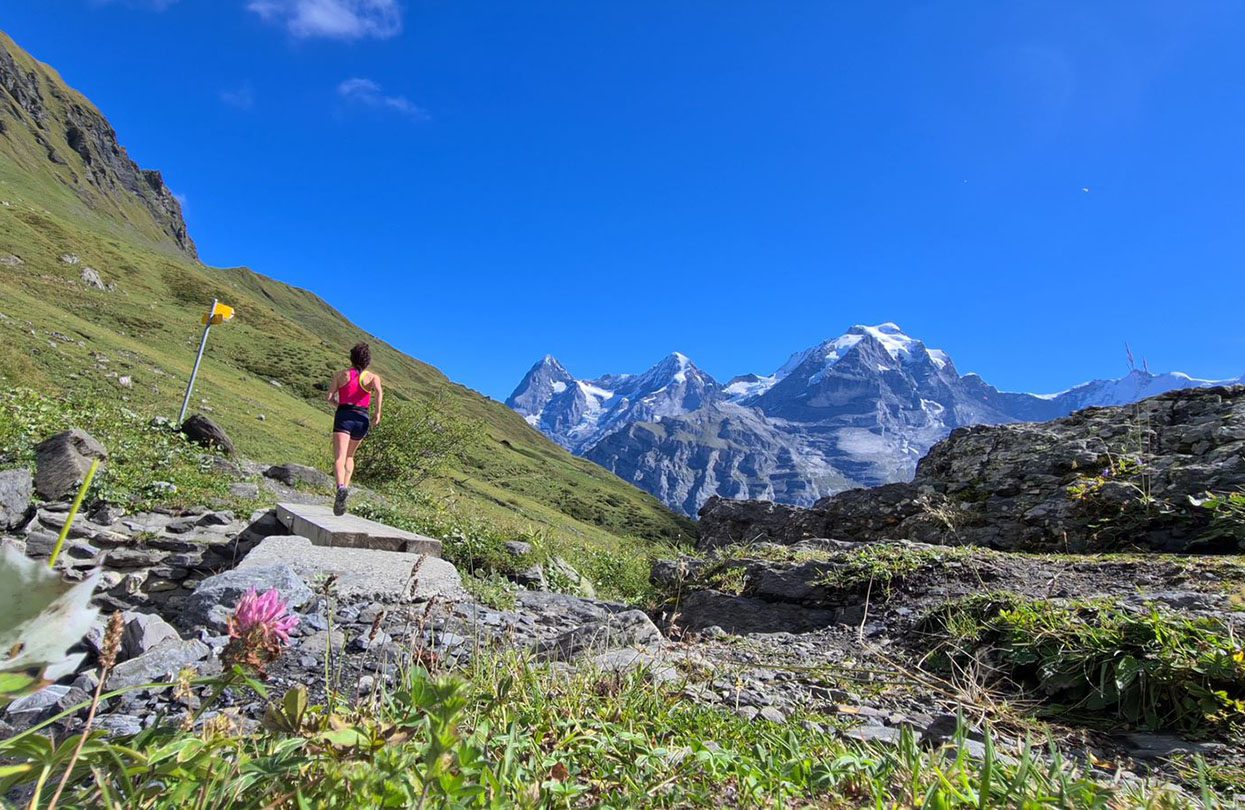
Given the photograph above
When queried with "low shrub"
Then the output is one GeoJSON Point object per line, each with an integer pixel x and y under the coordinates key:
{"type": "Point", "coordinates": [1096, 661]}
{"type": "Point", "coordinates": [414, 441]}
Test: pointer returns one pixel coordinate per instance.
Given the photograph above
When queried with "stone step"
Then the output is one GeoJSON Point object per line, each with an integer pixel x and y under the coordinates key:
{"type": "Point", "coordinates": [388, 576]}
{"type": "Point", "coordinates": [318, 524]}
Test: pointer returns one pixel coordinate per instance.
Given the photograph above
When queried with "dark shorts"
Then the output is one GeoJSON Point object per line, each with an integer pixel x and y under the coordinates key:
{"type": "Point", "coordinates": [352, 420]}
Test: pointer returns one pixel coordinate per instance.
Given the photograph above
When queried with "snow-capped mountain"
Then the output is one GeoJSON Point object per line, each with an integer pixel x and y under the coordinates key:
{"type": "Point", "coordinates": [578, 413]}
{"type": "Point", "coordinates": [858, 410]}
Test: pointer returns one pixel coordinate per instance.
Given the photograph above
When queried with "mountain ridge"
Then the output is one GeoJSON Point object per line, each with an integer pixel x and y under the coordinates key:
{"type": "Point", "coordinates": [859, 409]}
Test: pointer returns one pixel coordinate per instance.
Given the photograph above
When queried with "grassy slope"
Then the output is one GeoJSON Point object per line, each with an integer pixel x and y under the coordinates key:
{"type": "Point", "coordinates": [56, 330]}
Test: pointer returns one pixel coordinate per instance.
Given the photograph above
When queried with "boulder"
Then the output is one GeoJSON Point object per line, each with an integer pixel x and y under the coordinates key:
{"type": "Point", "coordinates": [16, 489]}
{"type": "Point", "coordinates": [26, 711]}
{"type": "Point", "coordinates": [62, 462]}
{"type": "Point", "coordinates": [580, 585]}
{"type": "Point", "coordinates": [215, 597]}
{"type": "Point", "coordinates": [143, 633]}
{"type": "Point", "coordinates": [203, 431]}
{"type": "Point", "coordinates": [159, 664]}
{"type": "Point", "coordinates": [91, 278]}
{"type": "Point", "coordinates": [1074, 484]}
{"type": "Point", "coordinates": [299, 475]}
{"type": "Point", "coordinates": [701, 610]}
{"type": "Point", "coordinates": [560, 608]}
{"type": "Point", "coordinates": [630, 628]}
{"type": "Point", "coordinates": [244, 490]}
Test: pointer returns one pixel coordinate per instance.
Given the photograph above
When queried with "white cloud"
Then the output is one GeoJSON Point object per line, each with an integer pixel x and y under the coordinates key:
{"type": "Point", "coordinates": [242, 97]}
{"type": "Point", "coordinates": [333, 19]}
{"type": "Point", "coordinates": [181, 199]}
{"type": "Point", "coordinates": [368, 93]}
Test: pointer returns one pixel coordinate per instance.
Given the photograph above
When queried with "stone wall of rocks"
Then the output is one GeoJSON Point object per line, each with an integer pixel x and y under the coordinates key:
{"type": "Point", "coordinates": [1103, 478]}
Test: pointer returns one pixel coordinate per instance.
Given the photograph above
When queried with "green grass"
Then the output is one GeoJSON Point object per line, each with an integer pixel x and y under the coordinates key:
{"type": "Point", "coordinates": [1092, 661]}
{"type": "Point", "coordinates": [879, 567]}
{"type": "Point", "coordinates": [274, 359]}
{"type": "Point", "coordinates": [511, 733]}
{"type": "Point", "coordinates": [143, 457]}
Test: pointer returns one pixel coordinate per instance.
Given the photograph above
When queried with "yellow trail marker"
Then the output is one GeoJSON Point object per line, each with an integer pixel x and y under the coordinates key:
{"type": "Point", "coordinates": [219, 313]}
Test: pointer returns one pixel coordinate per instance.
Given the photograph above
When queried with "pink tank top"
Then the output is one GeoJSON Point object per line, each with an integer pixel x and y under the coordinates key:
{"type": "Point", "coordinates": [352, 393]}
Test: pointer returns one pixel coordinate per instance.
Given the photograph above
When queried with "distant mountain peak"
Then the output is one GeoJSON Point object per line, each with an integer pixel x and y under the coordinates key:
{"type": "Point", "coordinates": [857, 410]}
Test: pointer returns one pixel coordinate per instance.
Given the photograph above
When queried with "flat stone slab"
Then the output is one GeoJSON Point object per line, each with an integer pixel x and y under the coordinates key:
{"type": "Point", "coordinates": [388, 576]}
{"type": "Point", "coordinates": [317, 523]}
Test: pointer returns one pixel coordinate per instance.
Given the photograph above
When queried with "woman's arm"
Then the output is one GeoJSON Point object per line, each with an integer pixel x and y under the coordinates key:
{"type": "Point", "coordinates": [380, 398]}
{"type": "Point", "coordinates": [334, 384]}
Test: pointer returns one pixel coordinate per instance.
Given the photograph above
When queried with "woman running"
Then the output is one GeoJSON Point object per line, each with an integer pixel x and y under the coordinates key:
{"type": "Point", "coordinates": [352, 390]}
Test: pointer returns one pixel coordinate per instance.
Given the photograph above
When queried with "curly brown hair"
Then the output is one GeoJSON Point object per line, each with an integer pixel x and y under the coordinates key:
{"type": "Point", "coordinates": [361, 356]}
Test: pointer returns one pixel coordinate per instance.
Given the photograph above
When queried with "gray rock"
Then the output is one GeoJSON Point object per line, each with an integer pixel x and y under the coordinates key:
{"type": "Point", "coordinates": [1145, 745]}
{"type": "Point", "coordinates": [772, 714]}
{"type": "Point", "coordinates": [159, 664]}
{"type": "Point", "coordinates": [671, 574]}
{"type": "Point", "coordinates": [532, 578]}
{"type": "Point", "coordinates": [144, 632]}
{"type": "Point", "coordinates": [630, 628]}
{"type": "Point", "coordinates": [216, 519]}
{"type": "Point", "coordinates": [76, 696]}
{"type": "Point", "coordinates": [580, 584]}
{"type": "Point", "coordinates": [657, 669]}
{"type": "Point", "coordinates": [119, 725]}
{"type": "Point", "coordinates": [87, 681]}
{"type": "Point", "coordinates": [299, 475]}
{"type": "Point", "coordinates": [216, 596]}
{"type": "Point", "coordinates": [126, 557]}
{"type": "Point", "coordinates": [26, 711]}
{"type": "Point", "coordinates": [106, 515]}
{"type": "Point", "coordinates": [517, 548]}
{"type": "Point", "coordinates": [740, 615]}
{"type": "Point", "coordinates": [90, 277]}
{"type": "Point", "coordinates": [565, 609]}
{"type": "Point", "coordinates": [245, 490]}
{"type": "Point", "coordinates": [16, 488]}
{"type": "Point", "coordinates": [62, 462]}
{"type": "Point", "coordinates": [182, 525]}
{"type": "Point", "coordinates": [874, 734]}
{"type": "Point", "coordinates": [318, 643]}
{"type": "Point", "coordinates": [203, 431]}
{"type": "Point", "coordinates": [361, 573]}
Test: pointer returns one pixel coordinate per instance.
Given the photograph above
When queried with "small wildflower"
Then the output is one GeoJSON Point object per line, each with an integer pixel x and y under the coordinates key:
{"type": "Point", "coordinates": [258, 628]}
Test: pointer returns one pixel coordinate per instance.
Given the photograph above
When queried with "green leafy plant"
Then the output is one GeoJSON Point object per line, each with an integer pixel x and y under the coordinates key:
{"type": "Point", "coordinates": [415, 441]}
{"type": "Point", "coordinates": [1096, 660]}
{"type": "Point", "coordinates": [1227, 512]}
{"type": "Point", "coordinates": [41, 617]}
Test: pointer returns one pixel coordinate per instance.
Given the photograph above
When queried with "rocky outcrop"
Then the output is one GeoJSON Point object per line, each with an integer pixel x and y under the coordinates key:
{"type": "Point", "coordinates": [69, 133]}
{"type": "Point", "coordinates": [15, 492]}
{"type": "Point", "coordinates": [203, 431]}
{"type": "Point", "coordinates": [295, 475]}
{"type": "Point", "coordinates": [1103, 478]}
{"type": "Point", "coordinates": [62, 462]}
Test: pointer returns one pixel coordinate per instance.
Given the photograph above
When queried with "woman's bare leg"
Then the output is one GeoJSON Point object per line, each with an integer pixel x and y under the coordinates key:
{"type": "Point", "coordinates": [350, 450]}
{"type": "Point", "coordinates": [341, 443]}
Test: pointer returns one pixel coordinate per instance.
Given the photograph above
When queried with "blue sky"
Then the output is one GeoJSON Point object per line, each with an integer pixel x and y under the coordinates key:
{"type": "Point", "coordinates": [1028, 185]}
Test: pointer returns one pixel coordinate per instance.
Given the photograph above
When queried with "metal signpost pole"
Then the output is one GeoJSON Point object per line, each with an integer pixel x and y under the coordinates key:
{"type": "Point", "coordinates": [181, 417]}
